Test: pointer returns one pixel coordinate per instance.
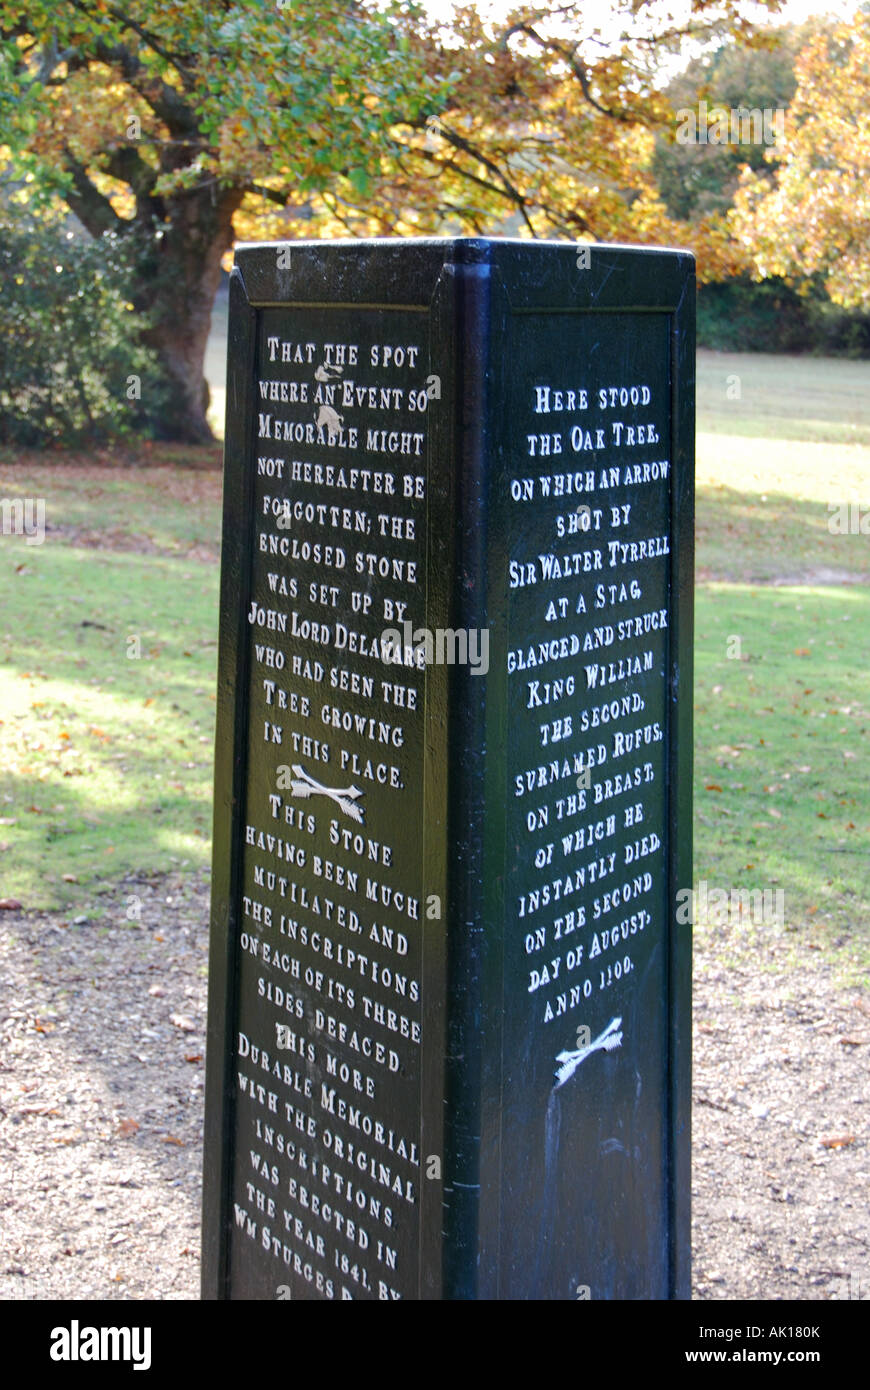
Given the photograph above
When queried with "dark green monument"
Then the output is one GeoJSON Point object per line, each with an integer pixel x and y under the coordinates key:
{"type": "Point", "coordinates": [449, 1012]}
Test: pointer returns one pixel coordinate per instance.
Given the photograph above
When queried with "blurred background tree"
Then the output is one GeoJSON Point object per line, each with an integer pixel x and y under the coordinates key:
{"type": "Point", "coordinates": [165, 125]}
{"type": "Point", "coordinates": [813, 219]}
{"type": "Point", "coordinates": [699, 179]}
{"type": "Point", "coordinates": [185, 126]}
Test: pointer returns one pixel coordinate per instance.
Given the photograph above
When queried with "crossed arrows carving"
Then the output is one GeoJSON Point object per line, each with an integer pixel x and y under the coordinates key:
{"type": "Point", "coordinates": [605, 1042]}
{"type": "Point", "coordinates": [344, 797]}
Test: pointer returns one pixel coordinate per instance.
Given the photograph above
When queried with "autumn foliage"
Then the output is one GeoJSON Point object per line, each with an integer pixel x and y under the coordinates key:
{"type": "Point", "coordinates": [185, 126]}
{"type": "Point", "coordinates": [815, 220]}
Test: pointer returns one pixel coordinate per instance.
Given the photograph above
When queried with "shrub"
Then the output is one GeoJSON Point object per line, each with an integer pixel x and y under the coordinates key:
{"type": "Point", "coordinates": [740, 316]}
{"type": "Point", "coordinates": [72, 364]}
{"type": "Point", "coordinates": [771, 316]}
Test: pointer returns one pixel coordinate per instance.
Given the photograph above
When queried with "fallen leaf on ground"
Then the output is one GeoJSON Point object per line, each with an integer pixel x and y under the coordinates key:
{"type": "Point", "coordinates": [126, 1128]}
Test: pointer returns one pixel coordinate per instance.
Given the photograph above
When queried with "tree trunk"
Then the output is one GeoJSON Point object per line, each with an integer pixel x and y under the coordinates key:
{"type": "Point", "coordinates": [179, 277]}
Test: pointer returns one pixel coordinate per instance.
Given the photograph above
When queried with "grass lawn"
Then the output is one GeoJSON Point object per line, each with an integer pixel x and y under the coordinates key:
{"type": "Point", "coordinates": [782, 647]}
{"type": "Point", "coordinates": [106, 755]}
{"type": "Point", "coordinates": [108, 650]}
{"type": "Point", "coordinates": [821, 400]}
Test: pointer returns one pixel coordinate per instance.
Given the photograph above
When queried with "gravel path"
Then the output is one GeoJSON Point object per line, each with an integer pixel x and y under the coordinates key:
{"type": "Point", "coordinates": [780, 1117]}
{"type": "Point", "coordinates": [102, 1033]}
{"type": "Point", "coordinates": [101, 1083]}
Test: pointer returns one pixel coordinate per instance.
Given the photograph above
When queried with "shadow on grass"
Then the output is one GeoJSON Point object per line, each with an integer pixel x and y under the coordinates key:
{"type": "Point", "coordinates": [107, 687]}
{"type": "Point", "coordinates": [739, 536]}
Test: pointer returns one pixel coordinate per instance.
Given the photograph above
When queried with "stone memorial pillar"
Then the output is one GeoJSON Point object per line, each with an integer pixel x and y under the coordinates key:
{"type": "Point", "coordinates": [449, 1032]}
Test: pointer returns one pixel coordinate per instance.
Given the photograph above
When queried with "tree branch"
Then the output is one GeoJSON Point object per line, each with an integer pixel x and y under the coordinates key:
{"type": "Point", "coordinates": [569, 56]}
{"type": "Point", "coordinates": [87, 202]}
{"type": "Point", "coordinates": [163, 99]}
{"type": "Point", "coordinates": [507, 189]}
{"type": "Point", "coordinates": [127, 165]}
{"type": "Point", "coordinates": [175, 61]}
{"type": "Point", "coordinates": [274, 195]}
